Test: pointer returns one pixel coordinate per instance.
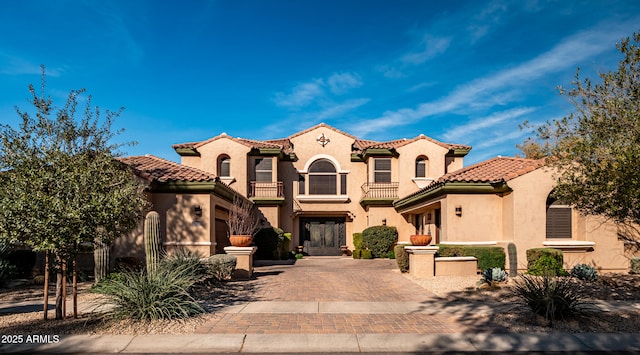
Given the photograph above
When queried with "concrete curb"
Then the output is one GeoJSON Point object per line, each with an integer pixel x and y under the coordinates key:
{"type": "Point", "coordinates": [329, 343]}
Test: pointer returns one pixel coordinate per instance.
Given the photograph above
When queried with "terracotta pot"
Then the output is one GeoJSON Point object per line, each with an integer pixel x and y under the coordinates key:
{"type": "Point", "coordinates": [420, 239]}
{"type": "Point", "coordinates": [241, 240]}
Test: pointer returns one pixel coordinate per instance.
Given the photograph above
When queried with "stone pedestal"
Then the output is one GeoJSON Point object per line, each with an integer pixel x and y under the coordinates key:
{"type": "Point", "coordinates": [244, 264]}
{"type": "Point", "coordinates": [422, 261]}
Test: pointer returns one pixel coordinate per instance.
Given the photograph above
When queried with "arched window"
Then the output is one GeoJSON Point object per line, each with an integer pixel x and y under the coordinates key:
{"type": "Point", "coordinates": [224, 166]}
{"type": "Point", "coordinates": [322, 178]}
{"type": "Point", "coordinates": [422, 165]}
{"type": "Point", "coordinates": [558, 219]}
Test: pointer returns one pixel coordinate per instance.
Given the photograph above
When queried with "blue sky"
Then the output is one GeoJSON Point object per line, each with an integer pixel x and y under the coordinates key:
{"type": "Point", "coordinates": [465, 72]}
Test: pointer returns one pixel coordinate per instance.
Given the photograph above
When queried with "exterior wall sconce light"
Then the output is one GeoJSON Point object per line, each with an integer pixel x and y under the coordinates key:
{"type": "Point", "coordinates": [459, 211]}
{"type": "Point", "coordinates": [428, 217]}
{"type": "Point", "coordinates": [197, 210]}
{"type": "Point", "coordinates": [384, 221]}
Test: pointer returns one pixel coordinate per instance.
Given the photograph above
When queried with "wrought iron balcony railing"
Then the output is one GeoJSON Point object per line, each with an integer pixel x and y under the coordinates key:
{"type": "Point", "coordinates": [266, 189]}
{"type": "Point", "coordinates": [380, 190]}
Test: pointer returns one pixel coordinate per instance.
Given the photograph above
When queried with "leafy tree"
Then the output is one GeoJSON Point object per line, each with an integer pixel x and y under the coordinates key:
{"type": "Point", "coordinates": [61, 187]}
{"type": "Point", "coordinates": [597, 148]}
{"type": "Point", "coordinates": [533, 149]}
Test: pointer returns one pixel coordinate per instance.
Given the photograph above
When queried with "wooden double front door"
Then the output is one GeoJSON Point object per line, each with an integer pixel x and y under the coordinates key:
{"type": "Point", "coordinates": [323, 236]}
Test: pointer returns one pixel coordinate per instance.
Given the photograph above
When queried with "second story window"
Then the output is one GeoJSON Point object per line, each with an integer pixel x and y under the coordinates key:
{"type": "Point", "coordinates": [421, 167]}
{"type": "Point", "coordinates": [322, 178]}
{"type": "Point", "coordinates": [263, 169]}
{"type": "Point", "coordinates": [224, 166]}
{"type": "Point", "coordinates": [382, 170]}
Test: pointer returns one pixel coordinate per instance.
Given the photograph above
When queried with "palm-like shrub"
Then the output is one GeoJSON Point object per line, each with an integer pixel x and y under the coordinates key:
{"type": "Point", "coordinates": [164, 294]}
{"type": "Point", "coordinates": [551, 297]}
{"type": "Point", "coordinates": [188, 259]}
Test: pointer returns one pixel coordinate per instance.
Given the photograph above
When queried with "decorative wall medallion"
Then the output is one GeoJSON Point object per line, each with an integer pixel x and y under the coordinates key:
{"type": "Point", "coordinates": [323, 140]}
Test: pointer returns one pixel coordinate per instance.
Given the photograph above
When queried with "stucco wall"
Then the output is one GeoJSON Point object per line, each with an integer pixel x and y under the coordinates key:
{"type": "Point", "coordinates": [481, 218]}
{"type": "Point", "coordinates": [407, 159]}
{"type": "Point", "coordinates": [210, 152]}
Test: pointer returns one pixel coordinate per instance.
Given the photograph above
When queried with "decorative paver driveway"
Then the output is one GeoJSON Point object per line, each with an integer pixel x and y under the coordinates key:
{"type": "Point", "coordinates": [334, 279]}
{"type": "Point", "coordinates": [331, 295]}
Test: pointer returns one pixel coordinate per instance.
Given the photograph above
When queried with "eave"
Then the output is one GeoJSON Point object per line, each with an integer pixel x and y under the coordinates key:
{"type": "Point", "coordinates": [458, 152]}
{"type": "Point", "coordinates": [374, 152]}
{"type": "Point", "coordinates": [187, 152]}
{"type": "Point", "coordinates": [367, 201]}
{"type": "Point", "coordinates": [454, 187]}
{"type": "Point", "coordinates": [195, 187]}
{"type": "Point", "coordinates": [267, 201]}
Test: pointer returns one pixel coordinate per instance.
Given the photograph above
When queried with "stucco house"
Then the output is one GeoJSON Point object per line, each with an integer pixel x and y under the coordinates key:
{"type": "Point", "coordinates": [505, 201]}
{"type": "Point", "coordinates": [322, 185]}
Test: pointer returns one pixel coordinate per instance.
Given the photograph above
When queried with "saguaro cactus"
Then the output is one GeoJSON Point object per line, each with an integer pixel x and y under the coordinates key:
{"type": "Point", "coordinates": [101, 261]}
{"type": "Point", "coordinates": [513, 260]}
{"type": "Point", "coordinates": [152, 240]}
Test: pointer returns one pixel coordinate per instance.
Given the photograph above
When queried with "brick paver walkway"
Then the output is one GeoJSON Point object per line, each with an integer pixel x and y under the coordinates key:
{"type": "Point", "coordinates": [332, 280]}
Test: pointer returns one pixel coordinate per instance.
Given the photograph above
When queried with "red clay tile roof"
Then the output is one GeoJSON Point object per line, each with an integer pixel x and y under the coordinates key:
{"type": "Point", "coordinates": [361, 144]}
{"type": "Point", "coordinates": [493, 170]}
{"type": "Point", "coordinates": [157, 169]}
{"type": "Point", "coordinates": [285, 143]}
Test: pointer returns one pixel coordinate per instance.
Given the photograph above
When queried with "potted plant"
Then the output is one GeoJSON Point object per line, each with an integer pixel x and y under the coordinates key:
{"type": "Point", "coordinates": [243, 222]}
{"type": "Point", "coordinates": [421, 239]}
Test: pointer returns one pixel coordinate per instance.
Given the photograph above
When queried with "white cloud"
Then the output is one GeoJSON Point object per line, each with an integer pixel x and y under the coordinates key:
{"type": "Point", "coordinates": [13, 65]}
{"type": "Point", "coordinates": [568, 53]}
{"type": "Point", "coordinates": [305, 94]}
{"type": "Point", "coordinates": [430, 47]}
{"type": "Point", "coordinates": [341, 83]}
{"type": "Point", "coordinates": [460, 132]}
{"type": "Point", "coordinates": [301, 95]}
{"type": "Point", "coordinates": [340, 109]}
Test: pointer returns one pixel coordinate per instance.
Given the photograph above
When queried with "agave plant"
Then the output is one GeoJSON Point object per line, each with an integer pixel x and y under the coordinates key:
{"type": "Point", "coordinates": [492, 276]}
{"type": "Point", "coordinates": [584, 272]}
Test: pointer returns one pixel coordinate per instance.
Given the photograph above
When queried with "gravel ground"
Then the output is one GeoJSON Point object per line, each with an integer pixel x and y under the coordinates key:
{"type": "Point", "coordinates": [517, 318]}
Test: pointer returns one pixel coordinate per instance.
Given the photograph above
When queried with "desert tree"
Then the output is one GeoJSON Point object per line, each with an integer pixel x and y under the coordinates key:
{"type": "Point", "coordinates": [62, 189]}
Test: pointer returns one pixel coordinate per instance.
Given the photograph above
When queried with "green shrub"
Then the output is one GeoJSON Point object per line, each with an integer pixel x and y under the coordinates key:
{"type": "Point", "coordinates": [268, 241]}
{"type": "Point", "coordinates": [357, 254]}
{"type": "Point", "coordinates": [221, 266]}
{"type": "Point", "coordinates": [357, 240]}
{"type": "Point", "coordinates": [551, 297]}
{"type": "Point", "coordinates": [584, 272]}
{"type": "Point", "coordinates": [535, 253]}
{"type": "Point", "coordinates": [299, 256]}
{"type": "Point", "coordinates": [379, 240]}
{"type": "Point", "coordinates": [488, 256]}
{"type": "Point", "coordinates": [391, 254]}
{"type": "Point", "coordinates": [635, 265]}
{"type": "Point", "coordinates": [163, 294]}
{"type": "Point", "coordinates": [367, 254]}
{"type": "Point", "coordinates": [547, 265]}
{"type": "Point", "coordinates": [545, 260]}
{"type": "Point", "coordinates": [402, 258]}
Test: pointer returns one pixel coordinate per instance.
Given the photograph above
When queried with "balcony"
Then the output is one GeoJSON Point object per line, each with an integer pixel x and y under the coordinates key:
{"type": "Point", "coordinates": [379, 193]}
{"type": "Point", "coordinates": [266, 193]}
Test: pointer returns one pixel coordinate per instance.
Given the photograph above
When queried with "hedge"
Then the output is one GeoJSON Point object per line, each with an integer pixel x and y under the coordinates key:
{"type": "Point", "coordinates": [488, 257]}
